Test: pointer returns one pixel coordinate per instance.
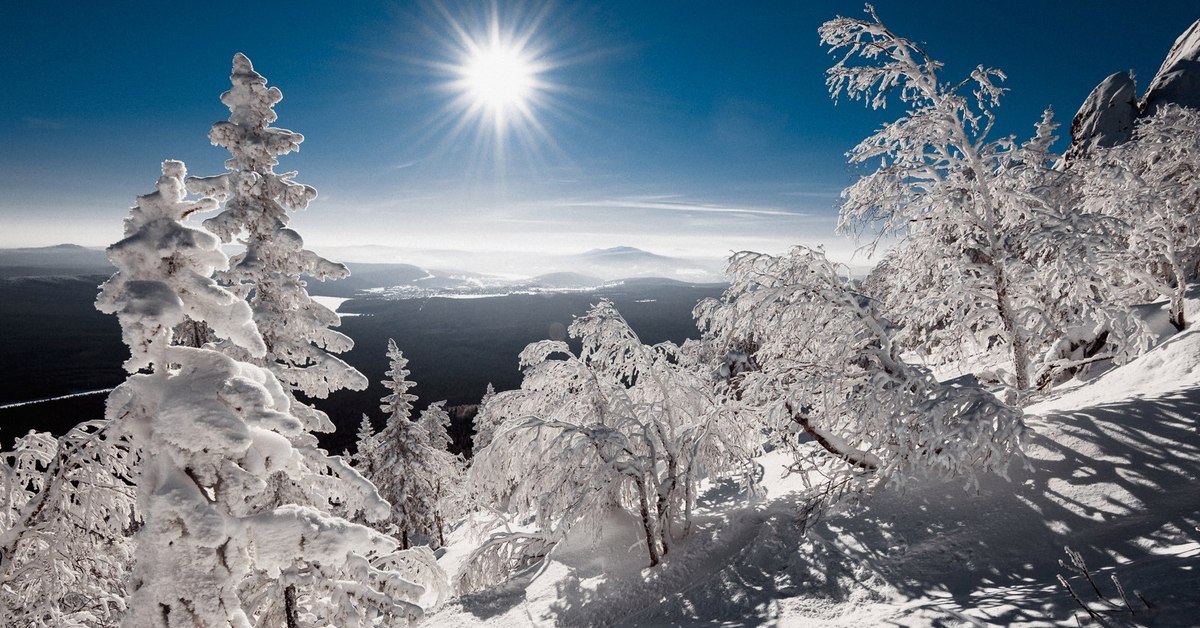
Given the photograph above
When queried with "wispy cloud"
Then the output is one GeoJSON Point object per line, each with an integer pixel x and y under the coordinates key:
{"type": "Point", "coordinates": [665, 203]}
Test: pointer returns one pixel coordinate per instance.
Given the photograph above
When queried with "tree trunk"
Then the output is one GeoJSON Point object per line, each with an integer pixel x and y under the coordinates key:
{"type": "Point", "coordinates": [647, 524]}
{"type": "Point", "coordinates": [1015, 340]}
{"type": "Point", "coordinates": [404, 540]}
{"type": "Point", "coordinates": [289, 607]}
{"type": "Point", "coordinates": [1177, 300]}
{"type": "Point", "coordinates": [664, 504]}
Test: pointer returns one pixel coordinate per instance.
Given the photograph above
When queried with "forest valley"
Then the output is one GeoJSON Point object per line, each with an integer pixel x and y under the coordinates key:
{"type": "Point", "coordinates": [201, 498]}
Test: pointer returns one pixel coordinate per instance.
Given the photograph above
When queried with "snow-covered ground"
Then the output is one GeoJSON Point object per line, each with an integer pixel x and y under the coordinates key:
{"type": "Point", "coordinates": [1113, 472]}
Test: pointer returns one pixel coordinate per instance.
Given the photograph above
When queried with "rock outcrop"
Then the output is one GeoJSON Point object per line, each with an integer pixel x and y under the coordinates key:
{"type": "Point", "coordinates": [1178, 80]}
{"type": "Point", "coordinates": [1107, 116]}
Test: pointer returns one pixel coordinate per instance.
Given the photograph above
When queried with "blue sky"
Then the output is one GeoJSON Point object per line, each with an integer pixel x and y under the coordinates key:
{"type": "Point", "coordinates": [690, 128]}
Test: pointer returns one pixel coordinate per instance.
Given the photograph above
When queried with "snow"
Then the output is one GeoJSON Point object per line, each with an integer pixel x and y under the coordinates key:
{"type": "Point", "coordinates": [334, 304]}
{"type": "Point", "coordinates": [1112, 467]}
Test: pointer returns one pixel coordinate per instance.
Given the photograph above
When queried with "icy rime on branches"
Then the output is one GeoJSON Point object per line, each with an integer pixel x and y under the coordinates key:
{"type": "Point", "coordinates": [620, 425]}
{"type": "Point", "coordinates": [960, 199]}
{"type": "Point", "coordinates": [822, 366]}
{"type": "Point", "coordinates": [1152, 184]}
{"type": "Point", "coordinates": [213, 430]}
{"type": "Point", "coordinates": [67, 513]}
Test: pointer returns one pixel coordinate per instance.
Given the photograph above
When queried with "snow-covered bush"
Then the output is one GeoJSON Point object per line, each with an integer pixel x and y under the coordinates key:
{"type": "Point", "coordinates": [967, 206]}
{"type": "Point", "coordinates": [65, 548]}
{"type": "Point", "coordinates": [827, 375]}
{"type": "Point", "coordinates": [618, 425]}
{"type": "Point", "coordinates": [1152, 184]}
{"type": "Point", "coordinates": [213, 432]}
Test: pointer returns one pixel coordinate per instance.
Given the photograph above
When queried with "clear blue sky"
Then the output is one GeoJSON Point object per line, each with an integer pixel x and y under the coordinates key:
{"type": "Point", "coordinates": [682, 127]}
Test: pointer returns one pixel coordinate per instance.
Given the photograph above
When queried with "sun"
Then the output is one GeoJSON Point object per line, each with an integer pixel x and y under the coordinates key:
{"type": "Point", "coordinates": [497, 77]}
{"type": "Point", "coordinates": [497, 72]}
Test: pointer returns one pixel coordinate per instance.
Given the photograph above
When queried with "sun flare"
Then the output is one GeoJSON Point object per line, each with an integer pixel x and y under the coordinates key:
{"type": "Point", "coordinates": [498, 77]}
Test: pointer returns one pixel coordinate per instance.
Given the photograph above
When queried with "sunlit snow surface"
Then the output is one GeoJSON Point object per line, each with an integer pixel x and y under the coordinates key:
{"type": "Point", "coordinates": [1113, 469]}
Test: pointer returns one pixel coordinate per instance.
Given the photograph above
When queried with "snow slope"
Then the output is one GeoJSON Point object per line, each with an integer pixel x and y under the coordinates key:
{"type": "Point", "coordinates": [1113, 472]}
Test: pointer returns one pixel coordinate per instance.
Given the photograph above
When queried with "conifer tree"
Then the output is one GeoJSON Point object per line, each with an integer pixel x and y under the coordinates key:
{"type": "Point", "coordinates": [270, 273]}
{"type": "Point", "coordinates": [400, 458]}
{"type": "Point", "coordinates": [213, 432]}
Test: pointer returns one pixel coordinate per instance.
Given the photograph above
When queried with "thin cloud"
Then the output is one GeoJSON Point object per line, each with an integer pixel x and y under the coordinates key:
{"type": "Point", "coordinates": [662, 203]}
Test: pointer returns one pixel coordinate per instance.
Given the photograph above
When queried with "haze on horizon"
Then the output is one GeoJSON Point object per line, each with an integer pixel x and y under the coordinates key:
{"type": "Point", "coordinates": [685, 131]}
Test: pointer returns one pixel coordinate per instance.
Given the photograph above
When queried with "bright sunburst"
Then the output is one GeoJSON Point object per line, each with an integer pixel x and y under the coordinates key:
{"type": "Point", "coordinates": [498, 76]}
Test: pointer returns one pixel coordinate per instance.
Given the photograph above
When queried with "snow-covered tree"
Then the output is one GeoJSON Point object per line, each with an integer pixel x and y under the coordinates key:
{"type": "Point", "coordinates": [826, 374]}
{"type": "Point", "coordinates": [213, 431]}
{"type": "Point", "coordinates": [485, 421]}
{"type": "Point", "coordinates": [270, 273]}
{"type": "Point", "coordinates": [958, 198]}
{"type": "Point", "coordinates": [1152, 184]}
{"type": "Point", "coordinates": [618, 425]}
{"type": "Point", "coordinates": [65, 548]}
{"type": "Point", "coordinates": [365, 443]}
{"type": "Point", "coordinates": [445, 469]}
{"type": "Point", "coordinates": [1069, 295]}
{"type": "Point", "coordinates": [401, 458]}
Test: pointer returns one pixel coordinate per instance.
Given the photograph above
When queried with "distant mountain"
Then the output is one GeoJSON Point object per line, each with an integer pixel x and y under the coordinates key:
{"type": "Point", "coordinates": [623, 262]}
{"type": "Point", "coordinates": [623, 254]}
{"type": "Point", "coordinates": [57, 260]}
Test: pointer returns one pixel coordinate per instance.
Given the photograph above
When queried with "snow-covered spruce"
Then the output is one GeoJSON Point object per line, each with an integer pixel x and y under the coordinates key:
{"type": "Point", "coordinates": [212, 431]}
{"type": "Point", "coordinates": [409, 462]}
{"type": "Point", "coordinates": [299, 342]}
{"type": "Point", "coordinates": [827, 375]}
{"type": "Point", "coordinates": [619, 425]}
{"type": "Point", "coordinates": [485, 421]}
{"type": "Point", "coordinates": [966, 275]}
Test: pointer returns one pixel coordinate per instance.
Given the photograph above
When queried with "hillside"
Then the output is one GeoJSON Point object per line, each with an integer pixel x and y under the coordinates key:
{"type": "Point", "coordinates": [1111, 472]}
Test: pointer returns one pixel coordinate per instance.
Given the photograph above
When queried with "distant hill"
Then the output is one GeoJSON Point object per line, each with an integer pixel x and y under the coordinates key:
{"type": "Point", "coordinates": [58, 260]}
{"type": "Point", "coordinates": [622, 262]}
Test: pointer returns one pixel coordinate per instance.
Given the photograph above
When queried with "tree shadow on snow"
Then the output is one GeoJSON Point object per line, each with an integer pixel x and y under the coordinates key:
{"type": "Point", "coordinates": [1116, 479]}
